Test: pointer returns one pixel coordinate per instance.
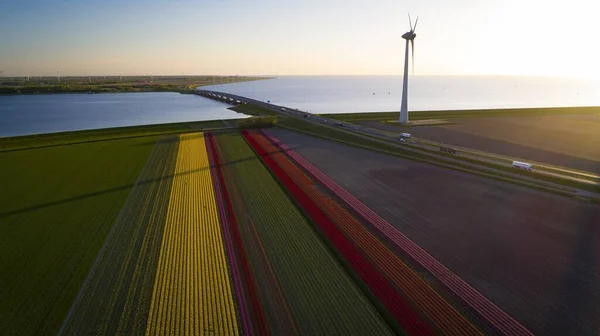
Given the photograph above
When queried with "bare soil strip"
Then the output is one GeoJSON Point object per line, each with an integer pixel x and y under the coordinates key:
{"type": "Point", "coordinates": [571, 140]}
{"type": "Point", "coordinates": [531, 253]}
{"type": "Point", "coordinates": [115, 298]}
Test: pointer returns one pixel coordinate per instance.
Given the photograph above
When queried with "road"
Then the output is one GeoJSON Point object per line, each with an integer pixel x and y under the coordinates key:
{"type": "Point", "coordinates": [417, 145]}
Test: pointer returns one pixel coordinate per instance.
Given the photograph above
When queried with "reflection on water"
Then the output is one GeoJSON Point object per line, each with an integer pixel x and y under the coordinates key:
{"type": "Point", "coordinates": [336, 94]}
{"type": "Point", "coordinates": [33, 114]}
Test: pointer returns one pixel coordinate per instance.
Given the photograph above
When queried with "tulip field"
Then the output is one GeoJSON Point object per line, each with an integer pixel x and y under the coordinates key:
{"type": "Point", "coordinates": [192, 291]}
{"type": "Point", "coordinates": [299, 285]}
{"type": "Point", "coordinates": [225, 233]}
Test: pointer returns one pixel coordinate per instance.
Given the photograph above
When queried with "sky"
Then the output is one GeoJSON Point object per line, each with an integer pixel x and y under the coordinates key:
{"type": "Point", "coordinates": [299, 37]}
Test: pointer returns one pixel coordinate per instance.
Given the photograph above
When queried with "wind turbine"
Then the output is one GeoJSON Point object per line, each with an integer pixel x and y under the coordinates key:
{"type": "Point", "coordinates": [408, 36]}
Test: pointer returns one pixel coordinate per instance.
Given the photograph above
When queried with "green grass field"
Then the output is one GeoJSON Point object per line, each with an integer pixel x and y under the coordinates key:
{"type": "Point", "coordinates": [56, 207]}
{"type": "Point", "coordinates": [423, 115]}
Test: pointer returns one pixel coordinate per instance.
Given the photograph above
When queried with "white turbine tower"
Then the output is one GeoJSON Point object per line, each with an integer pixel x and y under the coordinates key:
{"type": "Point", "coordinates": [408, 36]}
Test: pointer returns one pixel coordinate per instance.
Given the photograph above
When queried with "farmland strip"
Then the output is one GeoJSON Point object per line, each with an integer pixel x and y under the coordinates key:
{"type": "Point", "coordinates": [378, 284]}
{"type": "Point", "coordinates": [57, 206]}
{"type": "Point", "coordinates": [487, 309]}
{"type": "Point", "coordinates": [251, 312]}
{"type": "Point", "coordinates": [276, 308]}
{"type": "Point", "coordinates": [115, 296]}
{"type": "Point", "coordinates": [192, 293]}
{"type": "Point", "coordinates": [287, 254]}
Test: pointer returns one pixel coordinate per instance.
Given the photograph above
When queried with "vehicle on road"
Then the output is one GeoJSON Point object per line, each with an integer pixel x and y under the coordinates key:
{"type": "Point", "coordinates": [447, 149]}
{"type": "Point", "coordinates": [522, 165]}
{"type": "Point", "coordinates": [405, 135]}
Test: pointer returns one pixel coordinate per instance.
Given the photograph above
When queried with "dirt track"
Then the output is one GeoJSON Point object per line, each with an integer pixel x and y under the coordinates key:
{"type": "Point", "coordinates": [534, 254]}
{"type": "Point", "coordinates": [572, 141]}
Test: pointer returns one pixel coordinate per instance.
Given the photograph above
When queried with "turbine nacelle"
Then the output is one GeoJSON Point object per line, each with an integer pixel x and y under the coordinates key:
{"type": "Point", "coordinates": [409, 35]}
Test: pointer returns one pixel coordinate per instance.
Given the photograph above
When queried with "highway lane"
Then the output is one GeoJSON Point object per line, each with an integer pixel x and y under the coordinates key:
{"type": "Point", "coordinates": [507, 159]}
{"type": "Point", "coordinates": [417, 145]}
{"type": "Point", "coordinates": [503, 160]}
{"type": "Point", "coordinates": [538, 168]}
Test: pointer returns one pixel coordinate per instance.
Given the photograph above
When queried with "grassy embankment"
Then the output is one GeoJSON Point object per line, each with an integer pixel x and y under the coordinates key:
{"type": "Point", "coordinates": [264, 118]}
{"type": "Point", "coordinates": [88, 136]}
{"type": "Point", "coordinates": [56, 207]}
{"type": "Point", "coordinates": [64, 138]}
{"type": "Point", "coordinates": [381, 145]}
{"type": "Point", "coordinates": [450, 114]}
{"type": "Point", "coordinates": [253, 110]}
{"type": "Point", "coordinates": [114, 84]}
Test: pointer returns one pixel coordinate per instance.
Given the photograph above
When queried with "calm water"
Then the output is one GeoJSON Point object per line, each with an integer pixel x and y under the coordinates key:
{"type": "Point", "coordinates": [338, 94]}
{"type": "Point", "coordinates": [34, 114]}
{"type": "Point", "coordinates": [20, 115]}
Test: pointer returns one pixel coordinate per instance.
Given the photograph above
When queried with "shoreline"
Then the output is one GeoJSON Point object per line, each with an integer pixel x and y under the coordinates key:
{"type": "Point", "coordinates": [351, 117]}
{"type": "Point", "coordinates": [92, 92]}
{"type": "Point", "coordinates": [113, 85]}
{"type": "Point", "coordinates": [87, 92]}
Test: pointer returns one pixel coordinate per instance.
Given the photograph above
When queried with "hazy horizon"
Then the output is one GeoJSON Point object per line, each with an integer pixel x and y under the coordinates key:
{"type": "Point", "coordinates": [307, 38]}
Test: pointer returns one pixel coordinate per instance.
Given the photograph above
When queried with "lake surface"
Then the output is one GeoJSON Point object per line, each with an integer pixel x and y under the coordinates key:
{"type": "Point", "coordinates": [33, 114]}
{"type": "Point", "coordinates": [337, 94]}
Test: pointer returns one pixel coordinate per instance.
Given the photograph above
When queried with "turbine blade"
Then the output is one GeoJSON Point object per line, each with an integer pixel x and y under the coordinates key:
{"type": "Point", "coordinates": [412, 47]}
{"type": "Point", "coordinates": [415, 27]}
{"type": "Point", "coordinates": [410, 22]}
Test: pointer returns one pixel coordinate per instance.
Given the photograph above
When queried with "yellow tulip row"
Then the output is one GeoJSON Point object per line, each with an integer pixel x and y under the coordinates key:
{"type": "Point", "coordinates": [192, 291]}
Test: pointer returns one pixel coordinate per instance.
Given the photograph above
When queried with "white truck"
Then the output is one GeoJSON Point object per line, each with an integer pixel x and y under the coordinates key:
{"type": "Point", "coordinates": [522, 165]}
{"type": "Point", "coordinates": [405, 135]}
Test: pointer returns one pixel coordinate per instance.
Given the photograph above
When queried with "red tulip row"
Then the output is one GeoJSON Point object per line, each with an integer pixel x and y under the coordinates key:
{"type": "Point", "coordinates": [295, 182]}
{"type": "Point", "coordinates": [251, 314]}
{"type": "Point", "coordinates": [487, 309]}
